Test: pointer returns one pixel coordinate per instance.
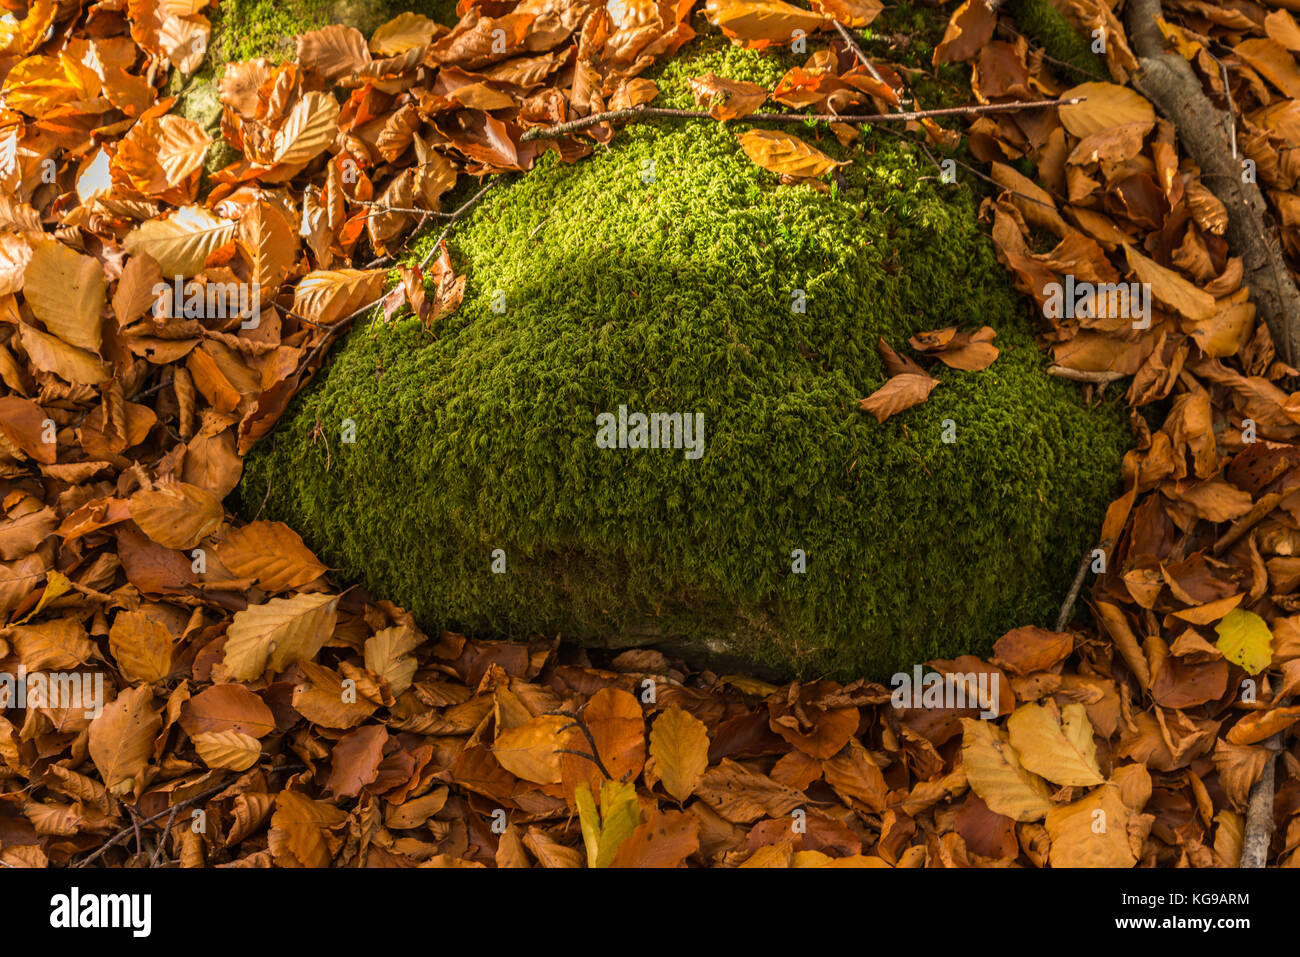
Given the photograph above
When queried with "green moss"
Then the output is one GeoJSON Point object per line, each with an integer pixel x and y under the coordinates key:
{"type": "Point", "coordinates": [675, 295]}
{"type": "Point", "coordinates": [1041, 21]}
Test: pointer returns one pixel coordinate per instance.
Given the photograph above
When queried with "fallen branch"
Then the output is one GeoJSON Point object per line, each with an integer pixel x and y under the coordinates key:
{"type": "Point", "coordinates": [1208, 134]}
{"type": "Point", "coordinates": [644, 112]}
{"type": "Point", "coordinates": [1258, 832]}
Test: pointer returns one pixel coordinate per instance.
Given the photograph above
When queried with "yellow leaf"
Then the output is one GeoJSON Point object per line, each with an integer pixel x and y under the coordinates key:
{"type": "Point", "coordinates": [56, 584]}
{"type": "Point", "coordinates": [759, 23]}
{"type": "Point", "coordinates": [404, 32]}
{"type": "Point", "coordinates": [604, 830]}
{"type": "Point", "coordinates": [1245, 639]}
{"type": "Point", "coordinates": [66, 291]}
{"type": "Point", "coordinates": [228, 750]}
{"type": "Point", "coordinates": [1059, 749]}
{"type": "Point", "coordinates": [679, 743]}
{"type": "Point", "coordinates": [996, 775]}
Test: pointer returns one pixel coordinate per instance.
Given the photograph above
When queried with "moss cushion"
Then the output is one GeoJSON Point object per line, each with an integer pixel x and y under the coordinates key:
{"type": "Point", "coordinates": [664, 275]}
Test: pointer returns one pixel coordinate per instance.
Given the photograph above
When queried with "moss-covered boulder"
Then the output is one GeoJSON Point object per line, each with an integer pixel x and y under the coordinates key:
{"type": "Point", "coordinates": [668, 274]}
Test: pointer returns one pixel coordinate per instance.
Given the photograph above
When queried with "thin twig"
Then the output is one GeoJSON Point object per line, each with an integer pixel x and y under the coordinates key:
{"type": "Point", "coordinates": [162, 840]}
{"type": "Point", "coordinates": [857, 51]}
{"type": "Point", "coordinates": [1067, 607]}
{"type": "Point", "coordinates": [382, 208]}
{"type": "Point", "coordinates": [135, 823]}
{"type": "Point", "coordinates": [1085, 375]}
{"type": "Point", "coordinates": [595, 751]}
{"type": "Point", "coordinates": [126, 831]}
{"type": "Point", "coordinates": [650, 112]}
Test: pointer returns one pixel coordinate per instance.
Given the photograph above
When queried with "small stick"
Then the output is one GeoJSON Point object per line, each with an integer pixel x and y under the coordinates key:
{"type": "Point", "coordinates": [382, 209]}
{"type": "Point", "coordinates": [126, 831]}
{"type": "Point", "coordinates": [1083, 375]}
{"type": "Point", "coordinates": [1258, 832]}
{"type": "Point", "coordinates": [648, 112]}
{"type": "Point", "coordinates": [857, 51]}
{"type": "Point", "coordinates": [162, 841]}
{"type": "Point", "coordinates": [1067, 607]}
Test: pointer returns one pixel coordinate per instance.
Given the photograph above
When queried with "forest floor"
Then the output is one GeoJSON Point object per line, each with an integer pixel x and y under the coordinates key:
{"type": "Point", "coordinates": [254, 715]}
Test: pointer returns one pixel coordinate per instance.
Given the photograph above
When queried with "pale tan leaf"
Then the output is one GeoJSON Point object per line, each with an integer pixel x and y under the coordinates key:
{"type": "Point", "coordinates": [1051, 748]}
{"type": "Point", "coordinates": [66, 291]}
{"type": "Point", "coordinates": [181, 242]}
{"type": "Point", "coordinates": [996, 775]}
{"type": "Point", "coordinates": [277, 634]}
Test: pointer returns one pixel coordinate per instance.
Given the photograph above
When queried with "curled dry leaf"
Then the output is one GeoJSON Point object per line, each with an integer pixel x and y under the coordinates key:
{"type": "Point", "coordinates": [899, 393]}
{"type": "Point", "coordinates": [786, 155]}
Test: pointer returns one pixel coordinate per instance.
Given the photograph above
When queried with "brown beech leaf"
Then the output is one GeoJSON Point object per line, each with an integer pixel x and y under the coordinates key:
{"type": "Point", "coordinates": [335, 50]}
{"type": "Point", "coordinates": [141, 645]}
{"type": "Point", "coordinates": [122, 739]}
{"type": "Point", "coordinates": [176, 515]}
{"type": "Point", "coordinates": [300, 830]}
{"type": "Point", "coordinates": [898, 394]}
{"type": "Point", "coordinates": [355, 760]}
{"type": "Point", "coordinates": [786, 155]}
{"type": "Point", "coordinates": [614, 718]}
{"type": "Point", "coordinates": [727, 99]}
{"type": "Point", "coordinates": [272, 553]}
{"type": "Point", "coordinates": [227, 707]}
